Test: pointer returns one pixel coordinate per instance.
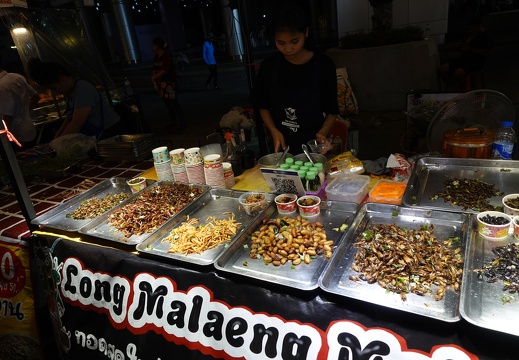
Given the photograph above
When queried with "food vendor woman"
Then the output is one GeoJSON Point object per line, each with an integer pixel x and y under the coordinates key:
{"type": "Point", "coordinates": [297, 87]}
{"type": "Point", "coordinates": [87, 110]}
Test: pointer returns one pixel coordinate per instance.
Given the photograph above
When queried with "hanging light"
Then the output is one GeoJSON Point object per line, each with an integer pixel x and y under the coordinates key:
{"type": "Point", "coordinates": [19, 30]}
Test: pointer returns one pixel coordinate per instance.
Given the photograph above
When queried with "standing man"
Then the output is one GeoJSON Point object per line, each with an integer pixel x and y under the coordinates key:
{"type": "Point", "coordinates": [210, 61]}
{"type": "Point", "coordinates": [17, 98]}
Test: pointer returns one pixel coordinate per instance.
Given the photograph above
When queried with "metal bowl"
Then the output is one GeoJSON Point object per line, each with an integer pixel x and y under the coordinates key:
{"type": "Point", "coordinates": [270, 160]}
{"type": "Point", "coordinates": [315, 158]}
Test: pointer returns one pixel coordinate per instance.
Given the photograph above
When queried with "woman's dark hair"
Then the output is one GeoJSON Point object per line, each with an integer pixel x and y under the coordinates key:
{"type": "Point", "coordinates": [160, 43]}
{"type": "Point", "coordinates": [292, 18]}
{"type": "Point", "coordinates": [46, 72]}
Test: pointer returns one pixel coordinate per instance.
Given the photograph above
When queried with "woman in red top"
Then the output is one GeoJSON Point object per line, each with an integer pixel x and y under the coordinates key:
{"type": "Point", "coordinates": [164, 79]}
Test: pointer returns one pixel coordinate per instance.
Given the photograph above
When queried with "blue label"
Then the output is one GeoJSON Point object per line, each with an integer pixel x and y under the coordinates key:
{"type": "Point", "coordinates": [502, 150]}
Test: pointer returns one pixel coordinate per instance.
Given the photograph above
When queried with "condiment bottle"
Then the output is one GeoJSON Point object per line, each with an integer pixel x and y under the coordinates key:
{"type": "Point", "coordinates": [312, 181]}
{"type": "Point", "coordinates": [302, 176]}
{"type": "Point", "coordinates": [320, 171]}
{"type": "Point", "coordinates": [230, 155]}
{"type": "Point", "coordinates": [248, 159]}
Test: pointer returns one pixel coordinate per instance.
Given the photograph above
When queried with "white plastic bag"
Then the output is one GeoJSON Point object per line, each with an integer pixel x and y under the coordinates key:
{"type": "Point", "coordinates": [77, 144]}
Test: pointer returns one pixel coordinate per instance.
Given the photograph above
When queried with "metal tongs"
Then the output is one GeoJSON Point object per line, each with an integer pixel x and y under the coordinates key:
{"type": "Point", "coordinates": [305, 150]}
{"type": "Point", "coordinates": [283, 155]}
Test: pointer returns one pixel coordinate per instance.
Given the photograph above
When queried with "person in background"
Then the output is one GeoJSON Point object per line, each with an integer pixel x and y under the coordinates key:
{"type": "Point", "coordinates": [210, 61]}
{"type": "Point", "coordinates": [164, 79]}
{"type": "Point", "coordinates": [297, 87]}
{"type": "Point", "coordinates": [17, 98]}
{"type": "Point", "coordinates": [473, 53]}
{"type": "Point", "coordinates": [87, 111]}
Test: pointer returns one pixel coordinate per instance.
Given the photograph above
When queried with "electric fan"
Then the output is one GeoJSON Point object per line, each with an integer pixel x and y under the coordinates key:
{"type": "Point", "coordinates": [484, 109]}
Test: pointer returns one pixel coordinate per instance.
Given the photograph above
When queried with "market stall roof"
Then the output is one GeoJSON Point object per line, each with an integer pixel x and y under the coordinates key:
{"type": "Point", "coordinates": [13, 3]}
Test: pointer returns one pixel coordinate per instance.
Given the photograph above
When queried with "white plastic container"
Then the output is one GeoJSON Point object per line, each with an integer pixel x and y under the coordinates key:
{"type": "Point", "coordinates": [351, 188]}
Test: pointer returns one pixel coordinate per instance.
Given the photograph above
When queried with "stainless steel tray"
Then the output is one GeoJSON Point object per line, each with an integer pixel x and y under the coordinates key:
{"type": "Point", "coordinates": [303, 277]}
{"type": "Point", "coordinates": [481, 302]}
{"type": "Point", "coordinates": [57, 218]}
{"type": "Point", "coordinates": [429, 175]}
{"type": "Point", "coordinates": [101, 228]}
{"type": "Point", "coordinates": [336, 277]}
{"type": "Point", "coordinates": [218, 203]}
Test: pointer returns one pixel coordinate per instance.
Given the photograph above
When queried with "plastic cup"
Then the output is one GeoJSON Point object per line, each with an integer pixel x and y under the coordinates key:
{"type": "Point", "coordinates": [137, 184]}
{"type": "Point", "coordinates": [253, 202]}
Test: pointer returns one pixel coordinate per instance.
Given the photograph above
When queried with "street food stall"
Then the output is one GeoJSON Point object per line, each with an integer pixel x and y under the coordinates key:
{"type": "Point", "coordinates": [119, 288]}
{"type": "Point", "coordinates": [415, 263]}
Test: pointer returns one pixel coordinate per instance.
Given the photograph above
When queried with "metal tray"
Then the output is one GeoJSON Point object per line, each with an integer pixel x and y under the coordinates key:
{"type": "Point", "coordinates": [218, 203]}
{"type": "Point", "coordinates": [336, 277]}
{"type": "Point", "coordinates": [57, 218]}
{"type": "Point", "coordinates": [481, 302]}
{"type": "Point", "coordinates": [429, 175]}
{"type": "Point", "coordinates": [303, 277]}
{"type": "Point", "coordinates": [101, 228]}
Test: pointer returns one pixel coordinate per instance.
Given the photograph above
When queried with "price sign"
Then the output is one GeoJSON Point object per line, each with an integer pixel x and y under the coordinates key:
{"type": "Point", "coordinates": [12, 274]}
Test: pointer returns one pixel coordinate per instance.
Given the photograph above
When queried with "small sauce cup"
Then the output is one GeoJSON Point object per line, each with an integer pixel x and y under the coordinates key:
{"type": "Point", "coordinates": [493, 230]}
{"type": "Point", "coordinates": [309, 205]}
{"type": "Point", "coordinates": [286, 203]}
{"type": "Point", "coordinates": [511, 204]}
{"type": "Point", "coordinates": [137, 184]}
{"type": "Point", "coordinates": [515, 225]}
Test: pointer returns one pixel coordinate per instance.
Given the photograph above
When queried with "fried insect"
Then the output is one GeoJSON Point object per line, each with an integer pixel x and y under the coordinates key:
{"type": "Point", "coordinates": [290, 240]}
{"type": "Point", "coordinates": [152, 208]}
{"type": "Point", "coordinates": [407, 261]}
{"type": "Point", "coordinates": [504, 267]}
{"type": "Point", "coordinates": [469, 194]}
{"type": "Point", "coordinates": [93, 207]}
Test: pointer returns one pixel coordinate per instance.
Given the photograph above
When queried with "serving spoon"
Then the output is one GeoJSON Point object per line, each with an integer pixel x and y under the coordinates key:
{"type": "Point", "coordinates": [283, 155]}
{"type": "Point", "coordinates": [305, 150]}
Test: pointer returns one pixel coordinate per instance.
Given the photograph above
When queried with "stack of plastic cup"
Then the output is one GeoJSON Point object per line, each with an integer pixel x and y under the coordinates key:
{"type": "Point", "coordinates": [178, 165]}
{"type": "Point", "coordinates": [213, 171]}
{"type": "Point", "coordinates": [162, 164]}
{"type": "Point", "coordinates": [194, 165]}
{"type": "Point", "coordinates": [228, 175]}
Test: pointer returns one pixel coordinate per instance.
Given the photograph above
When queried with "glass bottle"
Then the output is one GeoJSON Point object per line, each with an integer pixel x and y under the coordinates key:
{"type": "Point", "coordinates": [248, 159]}
{"type": "Point", "coordinates": [231, 157]}
{"type": "Point", "coordinates": [302, 176]}
{"type": "Point", "coordinates": [127, 87]}
{"type": "Point", "coordinates": [312, 181]}
{"type": "Point", "coordinates": [320, 171]}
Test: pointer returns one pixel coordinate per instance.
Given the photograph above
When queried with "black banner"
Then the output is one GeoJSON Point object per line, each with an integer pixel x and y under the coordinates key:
{"type": "Point", "coordinates": [113, 304]}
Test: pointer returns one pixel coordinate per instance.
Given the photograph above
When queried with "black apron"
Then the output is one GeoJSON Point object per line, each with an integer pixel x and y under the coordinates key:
{"type": "Point", "coordinates": [297, 111]}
